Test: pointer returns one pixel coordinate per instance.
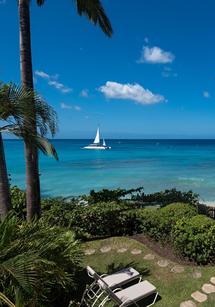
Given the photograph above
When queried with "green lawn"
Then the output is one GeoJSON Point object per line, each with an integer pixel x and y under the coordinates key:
{"type": "Point", "coordinates": [173, 287]}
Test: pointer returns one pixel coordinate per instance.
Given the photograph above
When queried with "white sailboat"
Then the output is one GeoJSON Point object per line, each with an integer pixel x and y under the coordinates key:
{"type": "Point", "coordinates": [97, 143]}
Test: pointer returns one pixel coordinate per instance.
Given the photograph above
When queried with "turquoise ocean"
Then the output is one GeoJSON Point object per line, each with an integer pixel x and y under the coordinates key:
{"type": "Point", "coordinates": [153, 164]}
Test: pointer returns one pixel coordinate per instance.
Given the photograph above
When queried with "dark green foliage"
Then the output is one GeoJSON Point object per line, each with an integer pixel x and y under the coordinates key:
{"type": "Point", "coordinates": [195, 238]}
{"type": "Point", "coordinates": [106, 195]}
{"type": "Point", "coordinates": [18, 202]}
{"type": "Point", "coordinates": [57, 211]}
{"type": "Point", "coordinates": [141, 199]}
{"type": "Point", "coordinates": [105, 219]}
{"type": "Point", "coordinates": [166, 197]}
{"type": "Point", "coordinates": [101, 219]}
{"type": "Point", "coordinates": [38, 263]}
{"type": "Point", "coordinates": [158, 223]}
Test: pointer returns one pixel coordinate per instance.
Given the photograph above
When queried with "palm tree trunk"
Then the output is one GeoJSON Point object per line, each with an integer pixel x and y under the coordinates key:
{"type": "Point", "coordinates": [31, 153]}
{"type": "Point", "coordinates": [4, 184]}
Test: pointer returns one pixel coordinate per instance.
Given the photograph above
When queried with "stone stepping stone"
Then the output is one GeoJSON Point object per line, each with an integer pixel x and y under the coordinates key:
{"type": "Point", "coordinates": [122, 250]}
{"type": "Point", "coordinates": [149, 257]}
{"type": "Point", "coordinates": [188, 304]}
{"type": "Point", "coordinates": [177, 269]}
{"type": "Point", "coordinates": [163, 263]}
{"type": "Point", "coordinates": [136, 251]}
{"type": "Point", "coordinates": [197, 274]}
{"type": "Point", "coordinates": [212, 280]}
{"type": "Point", "coordinates": [89, 252]}
{"type": "Point", "coordinates": [199, 296]}
{"type": "Point", "coordinates": [208, 288]}
{"type": "Point", "coordinates": [105, 249]}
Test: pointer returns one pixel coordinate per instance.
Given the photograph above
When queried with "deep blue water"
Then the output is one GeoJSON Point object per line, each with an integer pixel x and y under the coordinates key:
{"type": "Point", "coordinates": [154, 164]}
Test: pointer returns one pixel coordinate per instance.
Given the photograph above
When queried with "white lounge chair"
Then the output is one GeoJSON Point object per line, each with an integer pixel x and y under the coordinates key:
{"type": "Point", "coordinates": [95, 291]}
{"type": "Point", "coordinates": [117, 279]}
{"type": "Point", "coordinates": [131, 295]}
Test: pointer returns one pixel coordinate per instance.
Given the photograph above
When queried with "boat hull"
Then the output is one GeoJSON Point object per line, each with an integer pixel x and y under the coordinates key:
{"type": "Point", "coordinates": [97, 147]}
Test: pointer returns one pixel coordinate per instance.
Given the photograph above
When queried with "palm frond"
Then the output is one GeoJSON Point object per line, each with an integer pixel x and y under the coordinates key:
{"type": "Point", "coordinates": [39, 141]}
{"type": "Point", "coordinates": [21, 270]}
{"type": "Point", "coordinates": [23, 110]}
{"type": "Point", "coordinates": [94, 10]}
{"type": "Point", "coordinates": [40, 2]}
{"type": "Point", "coordinates": [46, 147]}
{"type": "Point", "coordinates": [6, 300]}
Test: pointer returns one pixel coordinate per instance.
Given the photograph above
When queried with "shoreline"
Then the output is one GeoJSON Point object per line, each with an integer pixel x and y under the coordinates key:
{"type": "Point", "coordinates": [207, 203]}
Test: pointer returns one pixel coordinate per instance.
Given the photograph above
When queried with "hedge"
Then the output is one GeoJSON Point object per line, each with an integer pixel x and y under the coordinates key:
{"type": "Point", "coordinates": [158, 223]}
{"type": "Point", "coordinates": [194, 238]}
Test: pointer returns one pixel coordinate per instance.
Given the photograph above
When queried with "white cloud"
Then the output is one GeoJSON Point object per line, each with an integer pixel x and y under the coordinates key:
{"type": "Point", "coordinates": [168, 72]}
{"type": "Point", "coordinates": [60, 86]}
{"type": "Point", "coordinates": [134, 92]}
{"type": "Point", "coordinates": [155, 55]}
{"type": "Point", "coordinates": [65, 106]}
{"type": "Point", "coordinates": [206, 94]}
{"type": "Point", "coordinates": [53, 81]}
{"type": "Point", "coordinates": [42, 74]}
{"type": "Point", "coordinates": [70, 107]}
{"type": "Point", "coordinates": [77, 108]}
{"type": "Point", "coordinates": [84, 93]}
{"type": "Point", "coordinates": [146, 40]}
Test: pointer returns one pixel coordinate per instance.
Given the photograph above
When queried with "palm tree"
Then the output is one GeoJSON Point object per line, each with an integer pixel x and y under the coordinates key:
{"type": "Point", "coordinates": [38, 263]}
{"type": "Point", "coordinates": [15, 111]}
{"type": "Point", "coordinates": [94, 11]}
{"type": "Point", "coordinates": [4, 183]}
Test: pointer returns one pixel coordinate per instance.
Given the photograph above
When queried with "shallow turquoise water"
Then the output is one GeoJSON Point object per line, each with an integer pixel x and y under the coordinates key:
{"type": "Point", "coordinates": [154, 164]}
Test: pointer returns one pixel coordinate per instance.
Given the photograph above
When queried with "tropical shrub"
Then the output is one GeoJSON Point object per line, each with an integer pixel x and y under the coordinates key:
{"type": "Point", "coordinates": [37, 261]}
{"type": "Point", "coordinates": [141, 199]}
{"type": "Point", "coordinates": [18, 201]}
{"type": "Point", "coordinates": [107, 195]}
{"type": "Point", "coordinates": [100, 219]}
{"type": "Point", "coordinates": [166, 197]}
{"type": "Point", "coordinates": [194, 238]}
{"type": "Point", "coordinates": [104, 219]}
{"type": "Point", "coordinates": [158, 223]}
{"type": "Point", "coordinates": [57, 211]}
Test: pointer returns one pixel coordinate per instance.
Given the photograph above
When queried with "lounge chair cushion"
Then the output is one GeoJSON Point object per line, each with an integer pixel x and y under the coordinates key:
{"type": "Point", "coordinates": [135, 292]}
{"type": "Point", "coordinates": [119, 278]}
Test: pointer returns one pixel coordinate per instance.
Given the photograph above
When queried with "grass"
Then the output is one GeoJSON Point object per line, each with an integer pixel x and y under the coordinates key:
{"type": "Point", "coordinates": [173, 288]}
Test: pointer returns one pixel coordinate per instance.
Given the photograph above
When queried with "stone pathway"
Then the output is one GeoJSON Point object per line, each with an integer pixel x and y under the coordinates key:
{"type": "Point", "coordinates": [136, 251]}
{"type": "Point", "coordinates": [105, 249]}
{"type": "Point", "coordinates": [89, 252]}
{"type": "Point", "coordinates": [149, 257]}
{"type": "Point", "coordinates": [188, 304]}
{"type": "Point", "coordinates": [196, 274]}
{"type": "Point", "coordinates": [122, 250]}
{"type": "Point", "coordinates": [177, 269]}
{"type": "Point", "coordinates": [208, 288]}
{"type": "Point", "coordinates": [199, 296]}
{"type": "Point", "coordinates": [163, 263]}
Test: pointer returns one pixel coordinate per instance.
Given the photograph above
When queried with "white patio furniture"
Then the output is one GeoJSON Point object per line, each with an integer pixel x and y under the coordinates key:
{"type": "Point", "coordinates": [131, 295]}
{"type": "Point", "coordinates": [94, 291]}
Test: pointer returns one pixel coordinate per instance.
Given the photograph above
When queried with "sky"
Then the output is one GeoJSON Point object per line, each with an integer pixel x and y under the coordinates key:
{"type": "Point", "coordinates": [155, 78]}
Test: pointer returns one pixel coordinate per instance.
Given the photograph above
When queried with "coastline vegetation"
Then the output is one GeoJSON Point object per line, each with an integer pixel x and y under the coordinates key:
{"type": "Point", "coordinates": [44, 255]}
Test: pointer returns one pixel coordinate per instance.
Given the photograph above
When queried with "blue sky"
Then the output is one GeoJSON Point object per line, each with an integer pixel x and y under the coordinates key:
{"type": "Point", "coordinates": [155, 78]}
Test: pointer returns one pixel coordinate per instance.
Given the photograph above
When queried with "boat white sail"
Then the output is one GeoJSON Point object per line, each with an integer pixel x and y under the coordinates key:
{"type": "Point", "coordinates": [97, 143]}
{"type": "Point", "coordinates": [97, 138]}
